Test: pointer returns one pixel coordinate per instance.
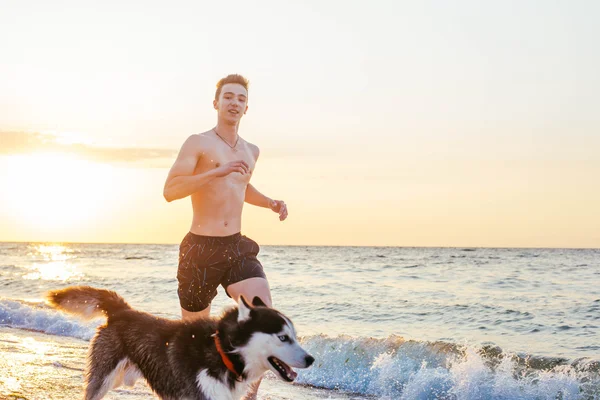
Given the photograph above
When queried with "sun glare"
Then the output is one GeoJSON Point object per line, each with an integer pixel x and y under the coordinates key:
{"type": "Point", "coordinates": [53, 191]}
{"type": "Point", "coordinates": [54, 265]}
{"type": "Point", "coordinates": [35, 346]}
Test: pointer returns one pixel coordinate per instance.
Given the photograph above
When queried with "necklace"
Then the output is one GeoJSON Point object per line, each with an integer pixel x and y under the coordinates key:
{"type": "Point", "coordinates": [226, 142]}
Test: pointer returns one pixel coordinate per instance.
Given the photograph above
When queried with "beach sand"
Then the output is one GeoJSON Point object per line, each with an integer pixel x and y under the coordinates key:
{"type": "Point", "coordinates": [37, 366]}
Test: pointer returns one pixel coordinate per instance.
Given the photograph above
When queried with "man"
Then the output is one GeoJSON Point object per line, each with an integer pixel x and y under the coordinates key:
{"type": "Point", "coordinates": [215, 168]}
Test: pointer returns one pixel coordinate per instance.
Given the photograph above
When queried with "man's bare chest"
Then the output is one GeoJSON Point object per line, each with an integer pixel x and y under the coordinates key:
{"type": "Point", "coordinates": [216, 158]}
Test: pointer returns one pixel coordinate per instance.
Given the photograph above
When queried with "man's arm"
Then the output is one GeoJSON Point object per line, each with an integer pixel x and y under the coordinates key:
{"type": "Point", "coordinates": [181, 181]}
{"type": "Point", "coordinates": [256, 198]}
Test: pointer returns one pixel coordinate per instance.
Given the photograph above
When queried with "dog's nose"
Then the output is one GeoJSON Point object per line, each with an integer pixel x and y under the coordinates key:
{"type": "Point", "coordinates": [309, 360]}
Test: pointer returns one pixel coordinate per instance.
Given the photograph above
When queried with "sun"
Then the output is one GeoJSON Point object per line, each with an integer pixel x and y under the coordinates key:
{"type": "Point", "coordinates": [54, 191]}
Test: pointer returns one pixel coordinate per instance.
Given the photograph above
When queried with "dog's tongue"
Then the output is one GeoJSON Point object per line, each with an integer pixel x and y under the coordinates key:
{"type": "Point", "coordinates": [283, 369]}
{"type": "Point", "coordinates": [293, 374]}
{"type": "Point", "coordinates": [290, 372]}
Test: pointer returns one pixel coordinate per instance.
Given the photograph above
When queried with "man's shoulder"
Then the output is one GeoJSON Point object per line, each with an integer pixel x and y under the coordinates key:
{"type": "Point", "coordinates": [199, 139]}
{"type": "Point", "coordinates": [253, 148]}
{"type": "Point", "coordinates": [197, 144]}
{"type": "Point", "coordinates": [202, 136]}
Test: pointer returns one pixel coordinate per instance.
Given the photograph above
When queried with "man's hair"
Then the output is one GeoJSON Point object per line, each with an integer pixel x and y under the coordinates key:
{"type": "Point", "coordinates": [233, 78]}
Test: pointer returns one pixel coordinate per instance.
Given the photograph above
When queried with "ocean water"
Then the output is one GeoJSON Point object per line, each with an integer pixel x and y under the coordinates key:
{"type": "Point", "coordinates": [382, 323]}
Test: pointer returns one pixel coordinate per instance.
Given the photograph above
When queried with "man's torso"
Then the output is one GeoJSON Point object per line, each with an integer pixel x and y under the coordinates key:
{"type": "Point", "coordinates": [217, 206]}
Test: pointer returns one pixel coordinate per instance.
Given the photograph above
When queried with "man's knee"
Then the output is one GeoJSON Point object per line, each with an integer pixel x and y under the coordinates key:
{"type": "Point", "coordinates": [250, 288]}
{"type": "Point", "coordinates": [194, 315]}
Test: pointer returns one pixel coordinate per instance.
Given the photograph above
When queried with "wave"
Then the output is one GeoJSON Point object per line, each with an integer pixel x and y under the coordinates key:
{"type": "Point", "coordinates": [394, 368]}
{"type": "Point", "coordinates": [390, 368]}
{"type": "Point", "coordinates": [41, 318]}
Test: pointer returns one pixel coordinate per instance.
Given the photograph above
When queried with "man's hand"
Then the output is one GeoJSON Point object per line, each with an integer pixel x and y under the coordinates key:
{"type": "Point", "coordinates": [279, 207]}
{"type": "Point", "coordinates": [234, 166]}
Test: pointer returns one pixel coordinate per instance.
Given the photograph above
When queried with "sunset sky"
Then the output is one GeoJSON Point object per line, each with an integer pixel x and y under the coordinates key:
{"type": "Point", "coordinates": [389, 123]}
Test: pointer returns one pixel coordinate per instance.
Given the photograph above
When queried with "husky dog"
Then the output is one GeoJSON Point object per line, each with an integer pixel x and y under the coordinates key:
{"type": "Point", "coordinates": [208, 359]}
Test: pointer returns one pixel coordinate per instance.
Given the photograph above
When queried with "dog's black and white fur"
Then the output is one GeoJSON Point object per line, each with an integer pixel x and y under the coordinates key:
{"type": "Point", "coordinates": [179, 359]}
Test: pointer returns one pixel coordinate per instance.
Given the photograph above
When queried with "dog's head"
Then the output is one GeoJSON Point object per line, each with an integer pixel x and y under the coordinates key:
{"type": "Point", "coordinates": [271, 341]}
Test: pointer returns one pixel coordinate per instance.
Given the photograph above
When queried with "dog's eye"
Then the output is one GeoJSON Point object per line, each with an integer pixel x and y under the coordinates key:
{"type": "Point", "coordinates": [284, 338]}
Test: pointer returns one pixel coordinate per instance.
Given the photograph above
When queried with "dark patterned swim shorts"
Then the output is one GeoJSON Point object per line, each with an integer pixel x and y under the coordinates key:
{"type": "Point", "coordinates": [205, 262]}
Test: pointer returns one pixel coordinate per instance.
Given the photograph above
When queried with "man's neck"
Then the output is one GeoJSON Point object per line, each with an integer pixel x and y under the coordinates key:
{"type": "Point", "coordinates": [227, 131]}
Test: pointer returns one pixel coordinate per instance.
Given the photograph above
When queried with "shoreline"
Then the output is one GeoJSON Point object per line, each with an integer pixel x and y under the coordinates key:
{"type": "Point", "coordinates": [41, 366]}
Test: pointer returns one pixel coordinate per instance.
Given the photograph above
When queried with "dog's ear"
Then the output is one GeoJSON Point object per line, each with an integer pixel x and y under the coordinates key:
{"type": "Point", "coordinates": [257, 302]}
{"type": "Point", "coordinates": [243, 309]}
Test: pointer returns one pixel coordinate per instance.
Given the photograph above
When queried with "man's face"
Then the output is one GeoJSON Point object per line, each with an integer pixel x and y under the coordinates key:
{"type": "Point", "coordinates": [232, 102]}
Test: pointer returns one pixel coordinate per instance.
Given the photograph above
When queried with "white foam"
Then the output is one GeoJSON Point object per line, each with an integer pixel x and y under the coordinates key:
{"type": "Point", "coordinates": [393, 369]}
{"type": "Point", "coordinates": [42, 319]}
{"type": "Point", "coordinates": [388, 369]}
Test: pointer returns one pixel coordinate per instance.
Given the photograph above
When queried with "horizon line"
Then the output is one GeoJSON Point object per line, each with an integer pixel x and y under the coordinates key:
{"type": "Point", "coordinates": [317, 245]}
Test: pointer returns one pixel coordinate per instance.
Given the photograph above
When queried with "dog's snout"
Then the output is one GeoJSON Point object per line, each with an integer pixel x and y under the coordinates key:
{"type": "Point", "coordinates": [309, 360]}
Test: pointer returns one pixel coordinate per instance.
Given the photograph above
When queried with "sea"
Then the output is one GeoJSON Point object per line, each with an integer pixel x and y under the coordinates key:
{"type": "Point", "coordinates": [381, 322]}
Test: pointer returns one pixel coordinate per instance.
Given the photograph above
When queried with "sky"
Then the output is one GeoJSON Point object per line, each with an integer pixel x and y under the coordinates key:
{"type": "Point", "coordinates": [380, 123]}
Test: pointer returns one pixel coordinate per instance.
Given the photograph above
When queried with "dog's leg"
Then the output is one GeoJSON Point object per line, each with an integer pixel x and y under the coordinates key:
{"type": "Point", "coordinates": [132, 374]}
{"type": "Point", "coordinates": [106, 364]}
{"type": "Point", "coordinates": [102, 378]}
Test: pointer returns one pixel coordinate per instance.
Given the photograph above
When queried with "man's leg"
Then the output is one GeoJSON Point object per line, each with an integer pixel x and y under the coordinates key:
{"type": "Point", "coordinates": [191, 315]}
{"type": "Point", "coordinates": [196, 287]}
{"type": "Point", "coordinates": [249, 288]}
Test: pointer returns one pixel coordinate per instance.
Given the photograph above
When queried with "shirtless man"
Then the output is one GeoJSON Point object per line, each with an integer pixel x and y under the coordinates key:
{"type": "Point", "coordinates": [215, 168]}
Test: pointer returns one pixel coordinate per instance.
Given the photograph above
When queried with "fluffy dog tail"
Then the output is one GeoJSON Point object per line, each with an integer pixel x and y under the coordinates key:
{"type": "Point", "coordinates": [87, 302]}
